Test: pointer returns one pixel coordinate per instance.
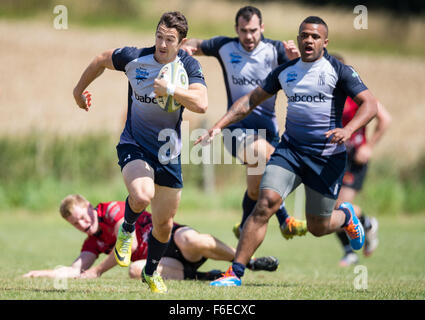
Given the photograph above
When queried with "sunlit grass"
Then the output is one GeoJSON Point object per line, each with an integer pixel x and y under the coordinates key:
{"type": "Point", "coordinates": [308, 266]}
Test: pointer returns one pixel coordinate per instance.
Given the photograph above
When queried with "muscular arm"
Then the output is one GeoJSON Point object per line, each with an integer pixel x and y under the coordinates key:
{"type": "Point", "coordinates": [384, 120]}
{"type": "Point", "coordinates": [242, 107]}
{"type": "Point", "coordinates": [195, 98]}
{"type": "Point", "coordinates": [83, 262]}
{"type": "Point", "coordinates": [239, 110]}
{"type": "Point", "coordinates": [364, 152]}
{"type": "Point", "coordinates": [368, 106]}
{"type": "Point", "coordinates": [93, 70]}
{"type": "Point", "coordinates": [101, 268]}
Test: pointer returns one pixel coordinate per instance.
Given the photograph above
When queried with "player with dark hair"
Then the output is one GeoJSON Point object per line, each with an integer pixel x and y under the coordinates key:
{"type": "Point", "coordinates": [151, 174]}
{"type": "Point", "coordinates": [359, 152]}
{"type": "Point", "coordinates": [187, 251]}
{"type": "Point", "coordinates": [311, 150]}
{"type": "Point", "coordinates": [245, 61]}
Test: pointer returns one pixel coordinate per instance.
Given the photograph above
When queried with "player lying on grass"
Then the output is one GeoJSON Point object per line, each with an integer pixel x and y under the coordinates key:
{"type": "Point", "coordinates": [187, 251]}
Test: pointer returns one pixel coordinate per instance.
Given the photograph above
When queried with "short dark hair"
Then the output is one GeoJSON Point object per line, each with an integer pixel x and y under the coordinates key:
{"type": "Point", "coordinates": [176, 20]}
{"type": "Point", "coordinates": [314, 20]}
{"type": "Point", "coordinates": [247, 13]}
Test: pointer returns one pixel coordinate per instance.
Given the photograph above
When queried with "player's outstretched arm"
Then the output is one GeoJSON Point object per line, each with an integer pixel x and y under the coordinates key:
{"type": "Point", "coordinates": [93, 70]}
{"type": "Point", "coordinates": [193, 47]}
{"type": "Point", "coordinates": [83, 262]}
{"type": "Point", "coordinates": [368, 107]}
{"type": "Point", "coordinates": [109, 262]}
{"type": "Point", "coordinates": [101, 268]}
{"type": "Point", "coordinates": [239, 110]}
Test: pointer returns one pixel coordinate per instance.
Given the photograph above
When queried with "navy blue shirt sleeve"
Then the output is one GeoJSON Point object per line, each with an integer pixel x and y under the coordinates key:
{"type": "Point", "coordinates": [271, 83]}
{"type": "Point", "coordinates": [122, 56]}
{"type": "Point", "coordinates": [193, 69]}
{"type": "Point", "coordinates": [349, 81]}
{"type": "Point", "coordinates": [281, 53]}
{"type": "Point", "coordinates": [211, 46]}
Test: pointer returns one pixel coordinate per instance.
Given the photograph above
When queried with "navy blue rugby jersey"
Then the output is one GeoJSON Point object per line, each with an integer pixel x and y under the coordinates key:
{"type": "Point", "coordinates": [316, 93]}
{"type": "Point", "coordinates": [145, 118]}
{"type": "Point", "coordinates": [243, 71]}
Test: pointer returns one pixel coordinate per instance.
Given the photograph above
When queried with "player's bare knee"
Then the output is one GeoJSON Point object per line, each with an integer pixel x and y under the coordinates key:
{"type": "Point", "coordinates": [264, 209]}
{"type": "Point", "coordinates": [191, 245]}
{"type": "Point", "coordinates": [140, 200]}
{"type": "Point", "coordinates": [317, 230]}
{"type": "Point", "coordinates": [204, 242]}
{"type": "Point", "coordinates": [135, 269]}
{"type": "Point", "coordinates": [188, 239]}
{"type": "Point", "coordinates": [132, 273]}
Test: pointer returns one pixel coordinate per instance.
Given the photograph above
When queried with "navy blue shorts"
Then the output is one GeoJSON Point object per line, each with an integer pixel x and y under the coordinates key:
{"type": "Point", "coordinates": [167, 175]}
{"type": "Point", "coordinates": [321, 173]}
{"type": "Point", "coordinates": [355, 174]}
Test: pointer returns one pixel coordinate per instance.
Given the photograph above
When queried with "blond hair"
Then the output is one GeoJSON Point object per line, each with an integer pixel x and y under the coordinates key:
{"type": "Point", "coordinates": [69, 202]}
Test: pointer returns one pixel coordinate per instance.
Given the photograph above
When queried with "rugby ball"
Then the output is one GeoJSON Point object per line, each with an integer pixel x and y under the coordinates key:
{"type": "Point", "coordinates": [174, 73]}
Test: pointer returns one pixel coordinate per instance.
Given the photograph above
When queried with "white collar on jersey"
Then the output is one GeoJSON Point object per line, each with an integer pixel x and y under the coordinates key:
{"type": "Point", "coordinates": [309, 65]}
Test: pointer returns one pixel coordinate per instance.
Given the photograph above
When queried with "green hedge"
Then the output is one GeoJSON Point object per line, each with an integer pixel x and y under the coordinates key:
{"type": "Point", "coordinates": [37, 171]}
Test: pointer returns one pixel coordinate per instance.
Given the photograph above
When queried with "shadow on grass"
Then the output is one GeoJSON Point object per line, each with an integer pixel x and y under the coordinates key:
{"type": "Point", "coordinates": [278, 285]}
{"type": "Point", "coordinates": [85, 291]}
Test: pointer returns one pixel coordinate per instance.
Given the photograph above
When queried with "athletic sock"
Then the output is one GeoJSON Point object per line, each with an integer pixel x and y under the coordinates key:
{"type": "Point", "coordinates": [238, 269]}
{"type": "Point", "coordinates": [282, 214]}
{"type": "Point", "coordinates": [347, 218]}
{"type": "Point", "coordinates": [247, 206]}
{"type": "Point", "coordinates": [344, 241]}
{"type": "Point", "coordinates": [130, 218]}
{"type": "Point", "coordinates": [156, 250]}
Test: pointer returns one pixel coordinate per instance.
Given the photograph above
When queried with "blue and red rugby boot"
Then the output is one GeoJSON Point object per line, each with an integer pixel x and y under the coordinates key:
{"type": "Point", "coordinates": [354, 229]}
{"type": "Point", "coordinates": [229, 279]}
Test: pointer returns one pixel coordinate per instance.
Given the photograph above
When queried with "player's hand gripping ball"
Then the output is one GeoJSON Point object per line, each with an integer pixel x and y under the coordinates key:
{"type": "Point", "coordinates": [176, 75]}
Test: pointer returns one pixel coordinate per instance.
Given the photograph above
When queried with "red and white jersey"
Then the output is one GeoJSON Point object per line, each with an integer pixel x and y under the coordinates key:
{"type": "Point", "coordinates": [109, 214]}
{"type": "Point", "coordinates": [358, 138]}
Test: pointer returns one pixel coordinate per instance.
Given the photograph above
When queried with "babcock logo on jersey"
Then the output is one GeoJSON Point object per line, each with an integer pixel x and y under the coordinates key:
{"type": "Point", "coordinates": [141, 74]}
{"type": "Point", "coordinates": [145, 98]}
{"type": "Point", "coordinates": [245, 81]}
{"type": "Point", "coordinates": [235, 58]}
{"type": "Point", "coordinates": [291, 76]}
{"type": "Point", "coordinates": [306, 98]}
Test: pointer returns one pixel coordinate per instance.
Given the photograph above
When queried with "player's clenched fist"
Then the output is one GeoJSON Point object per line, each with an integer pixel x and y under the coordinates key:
{"type": "Point", "coordinates": [83, 100]}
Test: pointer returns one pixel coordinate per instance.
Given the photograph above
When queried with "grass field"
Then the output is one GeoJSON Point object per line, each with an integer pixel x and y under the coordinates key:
{"type": "Point", "coordinates": [308, 268]}
{"type": "Point", "coordinates": [36, 97]}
